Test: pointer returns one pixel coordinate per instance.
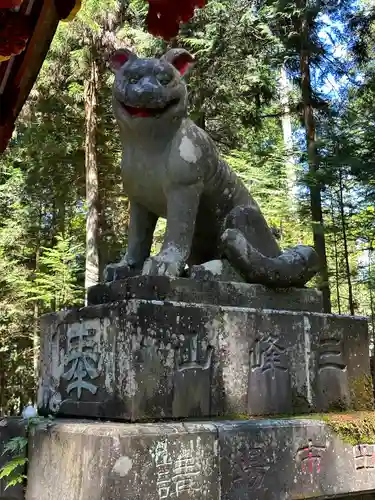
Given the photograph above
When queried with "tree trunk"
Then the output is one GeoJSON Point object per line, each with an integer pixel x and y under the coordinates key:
{"type": "Point", "coordinates": [345, 241]}
{"type": "Point", "coordinates": [91, 165]}
{"type": "Point", "coordinates": [2, 384]}
{"type": "Point", "coordinates": [36, 325]}
{"type": "Point", "coordinates": [372, 319]}
{"type": "Point", "coordinates": [201, 121]}
{"type": "Point", "coordinates": [313, 160]}
{"type": "Point", "coordinates": [36, 333]}
{"type": "Point", "coordinates": [286, 123]}
{"type": "Point", "coordinates": [335, 249]}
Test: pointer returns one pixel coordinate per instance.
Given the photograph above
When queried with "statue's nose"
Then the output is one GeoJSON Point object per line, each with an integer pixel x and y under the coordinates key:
{"type": "Point", "coordinates": [146, 87]}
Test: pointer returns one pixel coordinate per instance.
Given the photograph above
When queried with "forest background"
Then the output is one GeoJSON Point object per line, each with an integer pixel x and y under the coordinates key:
{"type": "Point", "coordinates": [285, 88]}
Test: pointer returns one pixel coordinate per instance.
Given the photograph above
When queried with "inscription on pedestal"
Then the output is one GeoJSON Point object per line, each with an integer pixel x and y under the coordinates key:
{"type": "Point", "coordinates": [331, 354]}
{"type": "Point", "coordinates": [250, 467]}
{"type": "Point", "coordinates": [248, 459]}
{"type": "Point", "coordinates": [364, 456]}
{"type": "Point", "coordinates": [309, 457]}
{"type": "Point", "coordinates": [175, 475]}
{"type": "Point", "coordinates": [332, 376]}
{"type": "Point", "coordinates": [193, 356]}
{"type": "Point", "coordinates": [269, 378]}
{"type": "Point", "coordinates": [192, 378]}
{"type": "Point", "coordinates": [268, 354]}
{"type": "Point", "coordinates": [81, 359]}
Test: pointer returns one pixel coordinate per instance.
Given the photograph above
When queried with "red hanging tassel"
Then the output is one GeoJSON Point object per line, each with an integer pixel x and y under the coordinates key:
{"type": "Point", "coordinates": [165, 16]}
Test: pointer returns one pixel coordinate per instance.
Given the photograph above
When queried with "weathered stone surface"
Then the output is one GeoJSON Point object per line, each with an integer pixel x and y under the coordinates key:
{"type": "Point", "coordinates": [249, 460]}
{"type": "Point", "coordinates": [291, 459]}
{"type": "Point", "coordinates": [137, 360]}
{"type": "Point", "coordinates": [116, 272]}
{"type": "Point", "coordinates": [207, 292]}
{"type": "Point", "coordinates": [97, 461]}
{"type": "Point", "coordinates": [10, 427]}
{"type": "Point", "coordinates": [309, 362]}
{"type": "Point", "coordinates": [217, 270]}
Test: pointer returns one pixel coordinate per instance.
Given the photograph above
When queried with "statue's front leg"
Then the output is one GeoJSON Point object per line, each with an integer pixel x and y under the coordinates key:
{"type": "Point", "coordinates": [140, 234]}
{"type": "Point", "coordinates": [182, 210]}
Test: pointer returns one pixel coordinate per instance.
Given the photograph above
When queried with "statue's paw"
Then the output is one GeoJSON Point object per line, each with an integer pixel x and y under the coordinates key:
{"type": "Point", "coordinates": [119, 271]}
{"type": "Point", "coordinates": [159, 266]}
{"type": "Point", "coordinates": [110, 271]}
{"type": "Point", "coordinates": [310, 257]}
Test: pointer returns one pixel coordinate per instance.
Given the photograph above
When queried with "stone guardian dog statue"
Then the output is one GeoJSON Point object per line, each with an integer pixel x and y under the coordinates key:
{"type": "Point", "coordinates": [171, 168]}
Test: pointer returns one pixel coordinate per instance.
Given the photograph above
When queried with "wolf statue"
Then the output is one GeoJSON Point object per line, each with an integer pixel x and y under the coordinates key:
{"type": "Point", "coordinates": [171, 168]}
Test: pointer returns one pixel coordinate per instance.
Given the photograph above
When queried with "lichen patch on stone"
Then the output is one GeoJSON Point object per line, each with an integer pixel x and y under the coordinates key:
{"type": "Point", "coordinates": [188, 151]}
{"type": "Point", "coordinates": [123, 466]}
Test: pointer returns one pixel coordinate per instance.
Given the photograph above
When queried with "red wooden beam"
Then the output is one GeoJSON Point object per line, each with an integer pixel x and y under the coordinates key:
{"type": "Point", "coordinates": [18, 75]}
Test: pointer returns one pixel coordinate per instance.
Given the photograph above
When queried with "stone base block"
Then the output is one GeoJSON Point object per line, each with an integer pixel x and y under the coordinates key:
{"type": "Point", "coordinates": [253, 460]}
{"type": "Point", "coordinates": [282, 460]}
{"type": "Point", "coordinates": [11, 427]}
{"type": "Point", "coordinates": [222, 293]}
{"type": "Point", "coordinates": [95, 461]}
{"type": "Point", "coordinates": [141, 359]}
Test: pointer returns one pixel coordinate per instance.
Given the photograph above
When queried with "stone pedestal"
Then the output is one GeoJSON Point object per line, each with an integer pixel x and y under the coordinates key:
{"type": "Point", "coordinates": [156, 349]}
{"type": "Point", "coordinates": [254, 460]}
{"type": "Point", "coordinates": [141, 359]}
{"type": "Point", "coordinates": [220, 293]}
{"type": "Point", "coordinates": [11, 428]}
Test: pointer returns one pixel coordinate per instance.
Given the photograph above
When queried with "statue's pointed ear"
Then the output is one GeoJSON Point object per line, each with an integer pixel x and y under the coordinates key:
{"type": "Point", "coordinates": [119, 58]}
{"type": "Point", "coordinates": [181, 59]}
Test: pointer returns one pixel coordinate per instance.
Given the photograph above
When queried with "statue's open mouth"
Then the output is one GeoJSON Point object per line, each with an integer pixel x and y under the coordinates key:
{"type": "Point", "coordinates": [148, 112]}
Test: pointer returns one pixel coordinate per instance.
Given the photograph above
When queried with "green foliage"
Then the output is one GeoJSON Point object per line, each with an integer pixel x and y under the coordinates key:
{"type": "Point", "coordinates": [12, 471]}
{"type": "Point", "coordinates": [16, 448]}
{"type": "Point", "coordinates": [55, 283]}
{"type": "Point", "coordinates": [264, 174]}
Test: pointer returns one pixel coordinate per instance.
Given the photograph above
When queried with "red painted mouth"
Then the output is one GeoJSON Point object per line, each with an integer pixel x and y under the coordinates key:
{"type": "Point", "coordinates": [138, 112]}
{"type": "Point", "coordinates": [148, 112]}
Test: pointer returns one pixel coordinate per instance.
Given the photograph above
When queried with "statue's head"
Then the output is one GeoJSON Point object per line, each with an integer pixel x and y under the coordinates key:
{"type": "Point", "coordinates": [150, 88]}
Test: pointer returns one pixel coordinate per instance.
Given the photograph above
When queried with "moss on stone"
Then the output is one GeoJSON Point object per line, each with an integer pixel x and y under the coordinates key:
{"type": "Point", "coordinates": [361, 393]}
{"type": "Point", "coordinates": [339, 405]}
{"type": "Point", "coordinates": [353, 428]}
{"type": "Point", "coordinates": [300, 403]}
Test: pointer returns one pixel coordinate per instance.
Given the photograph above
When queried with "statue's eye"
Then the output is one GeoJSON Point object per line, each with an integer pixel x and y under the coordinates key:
{"type": "Point", "coordinates": [164, 78]}
{"type": "Point", "coordinates": [133, 79]}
